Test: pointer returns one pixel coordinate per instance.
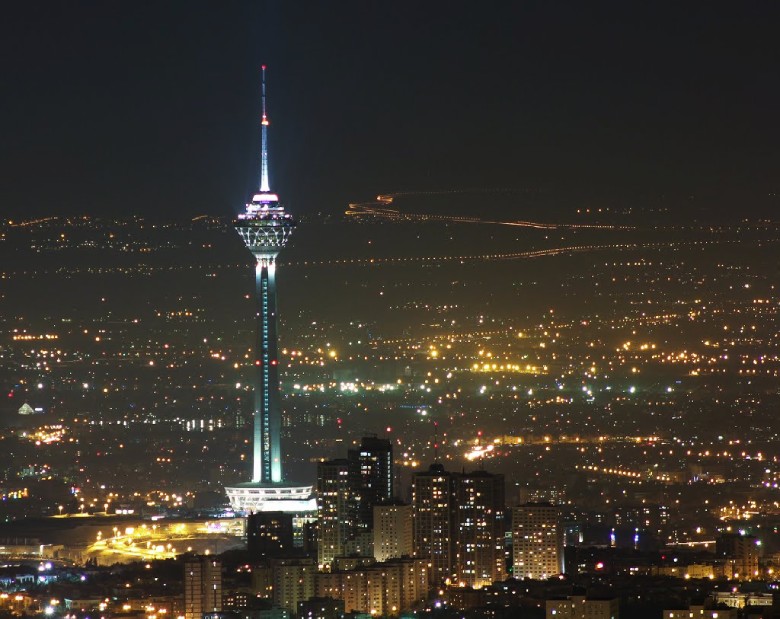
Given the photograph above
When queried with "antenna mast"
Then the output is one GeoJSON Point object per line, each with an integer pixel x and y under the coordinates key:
{"type": "Point", "coordinates": [264, 185]}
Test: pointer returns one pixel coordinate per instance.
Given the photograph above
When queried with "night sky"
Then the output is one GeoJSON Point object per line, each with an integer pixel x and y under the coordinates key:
{"type": "Point", "coordinates": [151, 108]}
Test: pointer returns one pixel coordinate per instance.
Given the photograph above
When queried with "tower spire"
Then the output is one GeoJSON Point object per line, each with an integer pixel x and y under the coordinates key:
{"type": "Point", "coordinates": [264, 185]}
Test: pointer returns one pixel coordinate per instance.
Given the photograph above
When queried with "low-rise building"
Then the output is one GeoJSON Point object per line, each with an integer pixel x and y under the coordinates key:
{"type": "Point", "coordinates": [581, 607]}
{"type": "Point", "coordinates": [699, 612]}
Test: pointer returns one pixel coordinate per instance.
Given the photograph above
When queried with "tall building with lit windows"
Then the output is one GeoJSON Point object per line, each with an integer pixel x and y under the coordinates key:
{"type": "Point", "coordinates": [202, 586]}
{"type": "Point", "coordinates": [433, 504]}
{"type": "Point", "coordinates": [336, 509]}
{"type": "Point", "coordinates": [393, 530]}
{"type": "Point", "coordinates": [372, 471]}
{"type": "Point", "coordinates": [459, 525]}
{"type": "Point", "coordinates": [537, 541]}
{"type": "Point", "coordinates": [741, 554]}
{"type": "Point", "coordinates": [265, 227]}
{"type": "Point", "coordinates": [479, 535]}
{"type": "Point", "coordinates": [347, 491]}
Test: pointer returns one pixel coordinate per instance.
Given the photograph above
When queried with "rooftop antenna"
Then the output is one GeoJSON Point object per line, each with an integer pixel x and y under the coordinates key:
{"type": "Point", "coordinates": [264, 185]}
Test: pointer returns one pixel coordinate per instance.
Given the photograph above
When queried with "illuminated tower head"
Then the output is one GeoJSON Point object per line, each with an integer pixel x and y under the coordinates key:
{"type": "Point", "coordinates": [265, 228]}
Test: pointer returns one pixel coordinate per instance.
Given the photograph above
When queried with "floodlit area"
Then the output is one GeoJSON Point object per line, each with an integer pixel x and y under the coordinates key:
{"type": "Point", "coordinates": [150, 541]}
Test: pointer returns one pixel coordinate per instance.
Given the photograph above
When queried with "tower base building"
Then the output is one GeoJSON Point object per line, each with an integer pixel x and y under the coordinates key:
{"type": "Point", "coordinates": [270, 497]}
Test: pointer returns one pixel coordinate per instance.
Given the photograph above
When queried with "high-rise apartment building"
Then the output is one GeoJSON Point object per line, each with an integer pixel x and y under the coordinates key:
{"type": "Point", "coordinates": [433, 502]}
{"type": "Point", "coordinates": [459, 525]}
{"type": "Point", "coordinates": [741, 553]}
{"type": "Point", "coordinates": [347, 490]}
{"type": "Point", "coordinates": [479, 534]}
{"type": "Point", "coordinates": [393, 530]}
{"type": "Point", "coordinates": [537, 541]}
{"type": "Point", "coordinates": [202, 586]}
{"type": "Point", "coordinates": [293, 582]}
{"type": "Point", "coordinates": [335, 508]}
{"type": "Point", "coordinates": [269, 535]}
{"type": "Point", "coordinates": [372, 467]}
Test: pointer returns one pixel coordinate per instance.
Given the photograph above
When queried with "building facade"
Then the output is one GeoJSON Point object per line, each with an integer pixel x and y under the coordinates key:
{"type": "Point", "coordinates": [433, 504]}
{"type": "Point", "coordinates": [372, 468]}
{"type": "Point", "coordinates": [479, 534]}
{"type": "Point", "coordinates": [269, 535]}
{"type": "Point", "coordinates": [335, 508]}
{"type": "Point", "coordinates": [293, 582]}
{"type": "Point", "coordinates": [537, 541]}
{"type": "Point", "coordinates": [380, 589]}
{"type": "Point", "coordinates": [459, 525]}
{"type": "Point", "coordinates": [740, 553]}
{"type": "Point", "coordinates": [581, 607]}
{"type": "Point", "coordinates": [393, 531]}
{"type": "Point", "coordinates": [202, 587]}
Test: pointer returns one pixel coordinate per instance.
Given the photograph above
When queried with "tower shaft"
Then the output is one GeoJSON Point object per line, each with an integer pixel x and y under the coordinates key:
{"type": "Point", "coordinates": [265, 227]}
{"type": "Point", "coordinates": [266, 465]}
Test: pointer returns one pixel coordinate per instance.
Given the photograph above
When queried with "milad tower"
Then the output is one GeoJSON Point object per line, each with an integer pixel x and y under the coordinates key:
{"type": "Point", "coordinates": [265, 228]}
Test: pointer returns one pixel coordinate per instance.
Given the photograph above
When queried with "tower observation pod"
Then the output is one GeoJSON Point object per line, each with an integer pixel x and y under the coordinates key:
{"type": "Point", "coordinates": [265, 227]}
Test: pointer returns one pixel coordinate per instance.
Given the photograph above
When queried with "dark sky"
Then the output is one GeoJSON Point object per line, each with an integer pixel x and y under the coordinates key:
{"type": "Point", "coordinates": [151, 107]}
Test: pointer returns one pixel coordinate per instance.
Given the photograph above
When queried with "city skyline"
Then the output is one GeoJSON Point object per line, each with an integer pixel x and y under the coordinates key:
{"type": "Point", "coordinates": [523, 356]}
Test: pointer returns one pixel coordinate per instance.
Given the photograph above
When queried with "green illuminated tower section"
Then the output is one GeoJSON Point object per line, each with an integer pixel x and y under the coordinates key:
{"type": "Point", "coordinates": [265, 228]}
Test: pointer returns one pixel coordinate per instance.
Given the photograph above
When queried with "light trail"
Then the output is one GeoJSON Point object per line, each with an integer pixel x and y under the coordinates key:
{"type": "Point", "coordinates": [380, 209]}
{"type": "Point", "coordinates": [539, 253]}
{"type": "Point", "coordinates": [33, 222]}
